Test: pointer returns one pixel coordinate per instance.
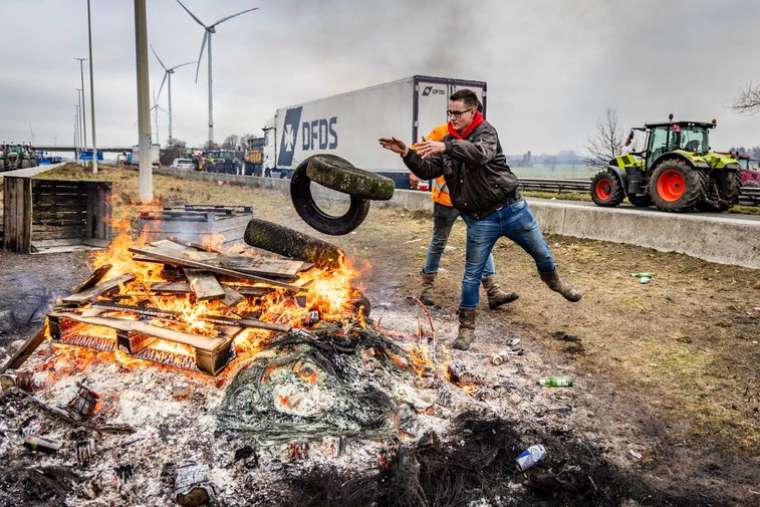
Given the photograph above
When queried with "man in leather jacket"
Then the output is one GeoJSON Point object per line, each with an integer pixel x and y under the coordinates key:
{"type": "Point", "coordinates": [486, 192]}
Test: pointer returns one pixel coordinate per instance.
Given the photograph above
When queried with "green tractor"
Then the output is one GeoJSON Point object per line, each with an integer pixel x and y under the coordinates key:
{"type": "Point", "coordinates": [16, 156]}
{"type": "Point", "coordinates": [676, 171]}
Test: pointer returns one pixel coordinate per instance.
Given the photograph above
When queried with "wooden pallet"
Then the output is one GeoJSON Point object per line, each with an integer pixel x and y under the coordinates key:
{"type": "Point", "coordinates": [134, 337]}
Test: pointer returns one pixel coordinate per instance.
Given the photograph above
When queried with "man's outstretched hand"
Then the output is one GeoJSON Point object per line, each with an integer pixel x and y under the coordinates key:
{"type": "Point", "coordinates": [426, 149]}
{"type": "Point", "coordinates": [395, 145]}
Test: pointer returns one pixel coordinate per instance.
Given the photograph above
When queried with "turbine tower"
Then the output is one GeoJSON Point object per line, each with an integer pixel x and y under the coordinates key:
{"type": "Point", "coordinates": [156, 108]}
{"type": "Point", "coordinates": [168, 71]}
{"type": "Point", "coordinates": [210, 30]}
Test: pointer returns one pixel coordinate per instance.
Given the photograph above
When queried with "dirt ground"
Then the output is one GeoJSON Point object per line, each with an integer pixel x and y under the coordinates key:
{"type": "Point", "coordinates": [667, 383]}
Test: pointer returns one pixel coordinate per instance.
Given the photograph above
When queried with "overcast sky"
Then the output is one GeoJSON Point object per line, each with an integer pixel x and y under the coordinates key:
{"type": "Point", "coordinates": [552, 67]}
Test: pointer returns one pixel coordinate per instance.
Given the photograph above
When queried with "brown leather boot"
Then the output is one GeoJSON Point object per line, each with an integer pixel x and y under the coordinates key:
{"type": "Point", "coordinates": [427, 280]}
{"type": "Point", "coordinates": [496, 296]}
{"type": "Point", "coordinates": [558, 285]}
{"type": "Point", "coordinates": [466, 334]}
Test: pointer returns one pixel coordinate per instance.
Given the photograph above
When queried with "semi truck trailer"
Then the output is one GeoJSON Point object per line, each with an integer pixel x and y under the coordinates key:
{"type": "Point", "coordinates": [349, 124]}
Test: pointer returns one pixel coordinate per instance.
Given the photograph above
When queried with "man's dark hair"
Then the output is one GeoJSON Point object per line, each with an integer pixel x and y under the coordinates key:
{"type": "Point", "coordinates": [467, 96]}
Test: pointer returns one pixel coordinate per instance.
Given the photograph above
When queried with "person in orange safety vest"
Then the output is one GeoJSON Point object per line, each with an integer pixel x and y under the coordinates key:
{"type": "Point", "coordinates": [444, 216]}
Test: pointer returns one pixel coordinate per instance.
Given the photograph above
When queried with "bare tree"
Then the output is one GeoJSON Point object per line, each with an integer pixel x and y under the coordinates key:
{"type": "Point", "coordinates": [749, 100]}
{"type": "Point", "coordinates": [231, 142]}
{"type": "Point", "coordinates": [607, 142]}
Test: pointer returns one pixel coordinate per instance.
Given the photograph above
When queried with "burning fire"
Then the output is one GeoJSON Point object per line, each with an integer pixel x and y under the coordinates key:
{"type": "Point", "coordinates": [328, 295]}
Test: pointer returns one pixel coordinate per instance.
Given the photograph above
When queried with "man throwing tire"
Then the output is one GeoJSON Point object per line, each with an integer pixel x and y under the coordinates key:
{"type": "Point", "coordinates": [484, 190]}
{"type": "Point", "coordinates": [444, 216]}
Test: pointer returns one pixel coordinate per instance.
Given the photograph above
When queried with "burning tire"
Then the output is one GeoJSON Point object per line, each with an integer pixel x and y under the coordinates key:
{"type": "Point", "coordinates": [726, 184]}
{"type": "Point", "coordinates": [307, 209]}
{"type": "Point", "coordinates": [675, 186]}
{"type": "Point", "coordinates": [285, 241]}
{"type": "Point", "coordinates": [606, 189]}
{"type": "Point", "coordinates": [340, 175]}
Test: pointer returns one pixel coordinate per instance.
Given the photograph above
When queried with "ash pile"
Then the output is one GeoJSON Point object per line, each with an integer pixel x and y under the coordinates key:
{"type": "Point", "coordinates": [182, 373]}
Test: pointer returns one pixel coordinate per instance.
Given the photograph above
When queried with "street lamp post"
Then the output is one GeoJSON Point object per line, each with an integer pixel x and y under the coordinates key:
{"type": "Point", "coordinates": [84, 101]}
{"type": "Point", "coordinates": [79, 137]}
{"type": "Point", "coordinates": [92, 94]}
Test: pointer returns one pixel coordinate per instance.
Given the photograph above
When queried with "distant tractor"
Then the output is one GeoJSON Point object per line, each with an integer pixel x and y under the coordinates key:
{"type": "Point", "coordinates": [16, 156]}
{"type": "Point", "coordinates": [676, 171]}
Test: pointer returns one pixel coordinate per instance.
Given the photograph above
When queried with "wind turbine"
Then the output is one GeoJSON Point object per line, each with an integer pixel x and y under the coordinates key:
{"type": "Point", "coordinates": [156, 108]}
{"type": "Point", "coordinates": [208, 32]}
{"type": "Point", "coordinates": [168, 76]}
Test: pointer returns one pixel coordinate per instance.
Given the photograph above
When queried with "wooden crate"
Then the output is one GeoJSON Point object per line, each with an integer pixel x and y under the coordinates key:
{"type": "Point", "coordinates": [196, 223]}
{"type": "Point", "coordinates": [45, 215]}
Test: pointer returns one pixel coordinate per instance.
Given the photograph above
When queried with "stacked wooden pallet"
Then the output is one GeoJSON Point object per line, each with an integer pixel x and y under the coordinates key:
{"type": "Point", "coordinates": [207, 275]}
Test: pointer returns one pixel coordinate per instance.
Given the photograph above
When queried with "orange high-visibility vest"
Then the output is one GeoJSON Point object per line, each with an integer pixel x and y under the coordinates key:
{"type": "Point", "coordinates": [440, 190]}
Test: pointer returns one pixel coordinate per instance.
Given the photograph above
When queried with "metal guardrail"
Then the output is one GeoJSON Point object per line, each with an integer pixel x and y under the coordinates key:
{"type": "Point", "coordinates": [749, 196]}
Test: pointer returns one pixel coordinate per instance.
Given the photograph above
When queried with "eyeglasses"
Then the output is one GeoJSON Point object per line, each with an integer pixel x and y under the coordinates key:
{"type": "Point", "coordinates": [457, 114]}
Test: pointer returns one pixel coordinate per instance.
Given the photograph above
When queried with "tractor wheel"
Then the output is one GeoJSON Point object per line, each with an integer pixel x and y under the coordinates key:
{"type": "Point", "coordinates": [675, 186]}
{"type": "Point", "coordinates": [726, 184]}
{"type": "Point", "coordinates": [640, 201]}
{"type": "Point", "coordinates": [729, 186]}
{"type": "Point", "coordinates": [606, 189]}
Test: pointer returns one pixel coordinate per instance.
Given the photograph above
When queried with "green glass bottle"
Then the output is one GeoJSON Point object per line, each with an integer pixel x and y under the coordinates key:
{"type": "Point", "coordinates": [556, 381]}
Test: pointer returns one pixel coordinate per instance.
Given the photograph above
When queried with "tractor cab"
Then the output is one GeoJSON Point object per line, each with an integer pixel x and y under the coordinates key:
{"type": "Point", "coordinates": [676, 171]}
{"type": "Point", "coordinates": [688, 136]}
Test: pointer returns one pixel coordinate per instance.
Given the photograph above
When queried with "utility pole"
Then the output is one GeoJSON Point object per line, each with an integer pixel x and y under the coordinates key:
{"type": "Point", "coordinates": [143, 103]}
{"type": "Point", "coordinates": [77, 125]}
{"type": "Point", "coordinates": [92, 95]}
{"type": "Point", "coordinates": [84, 101]}
{"type": "Point", "coordinates": [78, 107]}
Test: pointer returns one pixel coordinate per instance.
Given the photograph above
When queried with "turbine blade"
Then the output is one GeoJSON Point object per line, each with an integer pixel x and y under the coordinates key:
{"type": "Point", "coordinates": [162, 85]}
{"type": "Point", "coordinates": [157, 58]}
{"type": "Point", "coordinates": [192, 15]}
{"type": "Point", "coordinates": [232, 15]}
{"type": "Point", "coordinates": [200, 56]}
{"type": "Point", "coordinates": [183, 64]}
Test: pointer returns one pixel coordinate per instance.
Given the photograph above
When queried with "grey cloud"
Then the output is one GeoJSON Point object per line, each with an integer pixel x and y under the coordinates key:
{"type": "Point", "coordinates": [552, 66]}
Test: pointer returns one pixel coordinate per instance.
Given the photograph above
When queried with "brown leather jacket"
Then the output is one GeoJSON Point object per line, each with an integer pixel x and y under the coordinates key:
{"type": "Point", "coordinates": [475, 169]}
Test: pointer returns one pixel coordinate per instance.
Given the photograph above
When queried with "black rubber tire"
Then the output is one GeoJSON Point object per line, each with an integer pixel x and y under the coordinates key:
{"type": "Point", "coordinates": [307, 209]}
{"type": "Point", "coordinates": [693, 190]}
{"type": "Point", "coordinates": [640, 201]}
{"type": "Point", "coordinates": [728, 183]}
{"type": "Point", "coordinates": [340, 175]}
{"type": "Point", "coordinates": [290, 243]}
{"type": "Point", "coordinates": [615, 193]}
{"type": "Point", "coordinates": [729, 186]}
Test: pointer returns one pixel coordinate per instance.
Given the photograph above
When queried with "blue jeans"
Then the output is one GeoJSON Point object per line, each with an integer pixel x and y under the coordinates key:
{"type": "Point", "coordinates": [514, 221]}
{"type": "Point", "coordinates": [443, 219]}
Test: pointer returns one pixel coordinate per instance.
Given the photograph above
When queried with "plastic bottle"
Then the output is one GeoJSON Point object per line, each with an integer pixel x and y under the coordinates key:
{"type": "Point", "coordinates": [556, 381]}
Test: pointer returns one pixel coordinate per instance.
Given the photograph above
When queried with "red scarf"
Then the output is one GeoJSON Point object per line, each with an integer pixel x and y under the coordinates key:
{"type": "Point", "coordinates": [468, 129]}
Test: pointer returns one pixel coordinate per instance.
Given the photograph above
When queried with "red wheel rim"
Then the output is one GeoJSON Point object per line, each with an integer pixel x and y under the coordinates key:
{"type": "Point", "coordinates": [671, 185]}
{"type": "Point", "coordinates": [603, 189]}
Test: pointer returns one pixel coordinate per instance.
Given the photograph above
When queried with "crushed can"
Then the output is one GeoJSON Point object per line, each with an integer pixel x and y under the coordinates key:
{"type": "Point", "coordinates": [192, 485]}
{"type": "Point", "coordinates": [500, 358]}
{"type": "Point", "coordinates": [85, 451]}
{"type": "Point", "coordinates": [41, 444]}
{"type": "Point", "coordinates": [24, 380]}
{"type": "Point", "coordinates": [84, 402]}
{"type": "Point", "coordinates": [298, 450]}
{"type": "Point", "coordinates": [530, 457]}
